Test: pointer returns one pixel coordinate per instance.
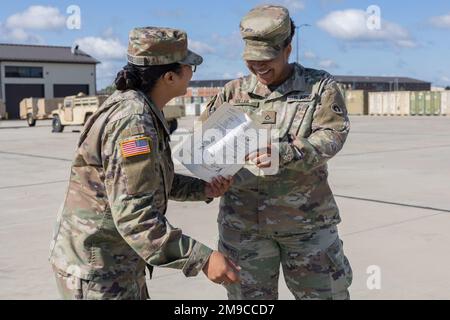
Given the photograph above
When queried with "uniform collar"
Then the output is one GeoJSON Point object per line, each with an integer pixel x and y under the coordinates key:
{"type": "Point", "coordinates": [296, 82]}
{"type": "Point", "coordinates": [157, 112]}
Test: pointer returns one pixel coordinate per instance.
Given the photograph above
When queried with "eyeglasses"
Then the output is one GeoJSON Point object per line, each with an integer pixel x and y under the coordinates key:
{"type": "Point", "coordinates": [193, 67]}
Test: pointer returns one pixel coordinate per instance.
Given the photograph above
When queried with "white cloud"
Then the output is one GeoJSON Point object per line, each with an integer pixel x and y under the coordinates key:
{"type": "Point", "coordinates": [37, 18]}
{"type": "Point", "coordinates": [309, 55]}
{"type": "Point", "coordinates": [351, 25]}
{"type": "Point", "coordinates": [328, 64]}
{"type": "Point", "coordinates": [445, 79]}
{"type": "Point", "coordinates": [18, 36]}
{"type": "Point", "coordinates": [18, 26]}
{"type": "Point", "coordinates": [228, 75]}
{"type": "Point", "coordinates": [441, 21]}
{"type": "Point", "coordinates": [406, 43]}
{"type": "Point", "coordinates": [102, 48]}
{"type": "Point", "coordinates": [107, 71]}
{"type": "Point", "coordinates": [230, 46]}
{"type": "Point", "coordinates": [291, 5]}
{"type": "Point", "coordinates": [201, 47]}
{"type": "Point", "coordinates": [109, 33]}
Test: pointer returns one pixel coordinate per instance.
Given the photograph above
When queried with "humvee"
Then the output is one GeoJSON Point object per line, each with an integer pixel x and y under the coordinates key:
{"type": "Point", "coordinates": [172, 113]}
{"type": "Point", "coordinates": [32, 109]}
{"type": "Point", "coordinates": [75, 110]}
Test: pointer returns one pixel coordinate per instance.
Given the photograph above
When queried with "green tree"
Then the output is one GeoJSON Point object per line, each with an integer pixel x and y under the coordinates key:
{"type": "Point", "coordinates": [108, 90]}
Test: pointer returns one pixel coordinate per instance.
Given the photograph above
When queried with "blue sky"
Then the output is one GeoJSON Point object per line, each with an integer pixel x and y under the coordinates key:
{"type": "Point", "coordinates": [413, 39]}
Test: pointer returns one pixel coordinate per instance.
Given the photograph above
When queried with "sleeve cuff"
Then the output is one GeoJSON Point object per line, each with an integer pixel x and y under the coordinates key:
{"type": "Point", "coordinates": [197, 260]}
{"type": "Point", "coordinates": [197, 191]}
{"type": "Point", "coordinates": [289, 153]}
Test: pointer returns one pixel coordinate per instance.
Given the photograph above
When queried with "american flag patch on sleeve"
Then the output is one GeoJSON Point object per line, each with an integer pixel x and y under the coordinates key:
{"type": "Point", "coordinates": [134, 147]}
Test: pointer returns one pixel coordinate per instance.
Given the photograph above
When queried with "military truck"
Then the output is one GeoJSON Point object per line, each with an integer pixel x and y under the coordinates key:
{"type": "Point", "coordinates": [32, 109]}
{"type": "Point", "coordinates": [2, 110]}
{"type": "Point", "coordinates": [75, 110]}
{"type": "Point", "coordinates": [172, 112]}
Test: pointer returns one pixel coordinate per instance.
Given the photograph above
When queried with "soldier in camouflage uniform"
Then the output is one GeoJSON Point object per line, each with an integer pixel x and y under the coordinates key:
{"type": "Point", "coordinates": [112, 222]}
{"type": "Point", "coordinates": [289, 218]}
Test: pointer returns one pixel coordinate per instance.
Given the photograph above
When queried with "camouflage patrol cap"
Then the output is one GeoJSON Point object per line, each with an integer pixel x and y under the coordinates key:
{"type": "Point", "coordinates": [264, 30]}
{"type": "Point", "coordinates": [153, 46]}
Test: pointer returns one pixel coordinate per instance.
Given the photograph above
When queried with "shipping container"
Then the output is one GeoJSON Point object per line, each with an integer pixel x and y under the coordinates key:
{"type": "Point", "coordinates": [203, 108]}
{"type": "Point", "coordinates": [402, 103]}
{"type": "Point", "coordinates": [194, 109]}
{"type": "Point", "coordinates": [425, 103]}
{"type": "Point", "coordinates": [388, 108]}
{"type": "Point", "coordinates": [445, 103]}
{"type": "Point", "coordinates": [394, 103]}
{"type": "Point", "coordinates": [357, 102]}
{"type": "Point", "coordinates": [190, 109]}
{"type": "Point", "coordinates": [375, 104]}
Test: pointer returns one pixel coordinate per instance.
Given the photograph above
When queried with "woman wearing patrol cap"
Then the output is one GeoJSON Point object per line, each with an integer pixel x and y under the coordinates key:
{"type": "Point", "coordinates": [289, 218]}
{"type": "Point", "coordinates": [112, 222]}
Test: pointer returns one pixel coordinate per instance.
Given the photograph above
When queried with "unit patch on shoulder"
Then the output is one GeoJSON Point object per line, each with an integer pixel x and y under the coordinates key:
{"type": "Point", "coordinates": [136, 146]}
{"type": "Point", "coordinates": [337, 109]}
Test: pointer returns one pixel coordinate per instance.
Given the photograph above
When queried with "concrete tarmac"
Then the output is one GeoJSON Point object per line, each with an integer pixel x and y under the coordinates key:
{"type": "Point", "coordinates": [391, 181]}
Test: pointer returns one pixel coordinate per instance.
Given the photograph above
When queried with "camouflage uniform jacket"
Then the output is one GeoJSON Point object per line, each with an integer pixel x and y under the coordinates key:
{"type": "Point", "coordinates": [113, 220]}
{"type": "Point", "coordinates": [297, 199]}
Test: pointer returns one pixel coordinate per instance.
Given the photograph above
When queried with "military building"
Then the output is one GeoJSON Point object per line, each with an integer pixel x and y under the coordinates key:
{"type": "Point", "coordinates": [43, 72]}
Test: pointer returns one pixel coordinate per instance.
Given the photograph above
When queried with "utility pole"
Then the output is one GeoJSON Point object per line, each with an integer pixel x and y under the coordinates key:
{"type": "Point", "coordinates": [297, 34]}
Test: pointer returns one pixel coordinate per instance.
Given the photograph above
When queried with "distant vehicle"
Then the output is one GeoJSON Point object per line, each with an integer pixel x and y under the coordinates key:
{"type": "Point", "coordinates": [2, 110]}
{"type": "Point", "coordinates": [172, 113]}
{"type": "Point", "coordinates": [75, 110]}
{"type": "Point", "coordinates": [32, 109]}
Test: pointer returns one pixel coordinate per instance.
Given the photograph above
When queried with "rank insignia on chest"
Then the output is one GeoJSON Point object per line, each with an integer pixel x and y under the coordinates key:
{"type": "Point", "coordinates": [269, 117]}
{"type": "Point", "coordinates": [135, 147]}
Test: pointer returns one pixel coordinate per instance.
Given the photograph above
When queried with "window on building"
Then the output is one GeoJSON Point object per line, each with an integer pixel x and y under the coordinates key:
{"type": "Point", "coordinates": [24, 72]}
{"type": "Point", "coordinates": [197, 100]}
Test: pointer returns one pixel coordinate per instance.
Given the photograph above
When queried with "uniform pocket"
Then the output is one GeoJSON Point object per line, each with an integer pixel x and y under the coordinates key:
{"type": "Point", "coordinates": [341, 271]}
{"type": "Point", "coordinates": [229, 240]}
{"type": "Point", "coordinates": [247, 107]}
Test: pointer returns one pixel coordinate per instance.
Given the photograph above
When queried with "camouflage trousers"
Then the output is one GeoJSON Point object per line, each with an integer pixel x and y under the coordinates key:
{"type": "Point", "coordinates": [74, 288]}
{"type": "Point", "coordinates": [314, 264]}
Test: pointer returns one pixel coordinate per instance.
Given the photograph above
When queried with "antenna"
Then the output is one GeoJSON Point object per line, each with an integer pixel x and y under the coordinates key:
{"type": "Point", "coordinates": [75, 48]}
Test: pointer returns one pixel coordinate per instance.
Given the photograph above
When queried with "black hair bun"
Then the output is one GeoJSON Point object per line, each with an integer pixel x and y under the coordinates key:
{"type": "Point", "coordinates": [127, 79]}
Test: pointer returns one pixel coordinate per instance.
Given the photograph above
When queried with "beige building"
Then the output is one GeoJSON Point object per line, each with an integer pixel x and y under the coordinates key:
{"type": "Point", "coordinates": [43, 72]}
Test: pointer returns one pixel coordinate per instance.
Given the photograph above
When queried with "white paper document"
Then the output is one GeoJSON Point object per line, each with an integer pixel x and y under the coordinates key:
{"type": "Point", "coordinates": [220, 145]}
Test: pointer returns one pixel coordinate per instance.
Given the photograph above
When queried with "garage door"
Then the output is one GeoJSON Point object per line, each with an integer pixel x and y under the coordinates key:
{"type": "Point", "coordinates": [65, 90]}
{"type": "Point", "coordinates": [14, 93]}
